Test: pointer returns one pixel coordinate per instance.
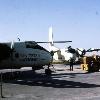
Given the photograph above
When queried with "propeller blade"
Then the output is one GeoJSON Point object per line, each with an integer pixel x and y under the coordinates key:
{"type": "Point", "coordinates": [89, 50]}
{"type": "Point", "coordinates": [79, 49]}
{"type": "Point", "coordinates": [12, 44]}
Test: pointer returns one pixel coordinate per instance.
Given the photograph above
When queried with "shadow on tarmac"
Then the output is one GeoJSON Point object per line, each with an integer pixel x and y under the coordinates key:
{"type": "Point", "coordinates": [34, 79]}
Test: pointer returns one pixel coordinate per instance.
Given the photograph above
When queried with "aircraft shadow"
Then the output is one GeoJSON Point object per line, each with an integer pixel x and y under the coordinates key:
{"type": "Point", "coordinates": [31, 79]}
{"type": "Point", "coordinates": [70, 75]}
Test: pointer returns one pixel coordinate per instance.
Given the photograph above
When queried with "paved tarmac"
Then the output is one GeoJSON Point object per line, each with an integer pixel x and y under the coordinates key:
{"type": "Point", "coordinates": [61, 85]}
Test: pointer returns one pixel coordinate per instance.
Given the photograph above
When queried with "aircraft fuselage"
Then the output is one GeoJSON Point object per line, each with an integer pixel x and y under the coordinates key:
{"type": "Point", "coordinates": [26, 54]}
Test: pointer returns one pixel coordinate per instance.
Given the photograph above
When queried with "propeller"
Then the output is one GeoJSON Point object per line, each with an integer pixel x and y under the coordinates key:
{"type": "Point", "coordinates": [71, 50]}
{"type": "Point", "coordinates": [4, 51]}
{"type": "Point", "coordinates": [12, 50]}
{"type": "Point", "coordinates": [83, 52]}
{"type": "Point", "coordinates": [52, 53]}
{"type": "Point", "coordinates": [12, 44]}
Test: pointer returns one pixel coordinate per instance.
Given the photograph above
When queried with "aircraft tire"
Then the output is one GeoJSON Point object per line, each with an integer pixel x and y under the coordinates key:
{"type": "Point", "coordinates": [48, 71]}
{"type": "Point", "coordinates": [33, 69]}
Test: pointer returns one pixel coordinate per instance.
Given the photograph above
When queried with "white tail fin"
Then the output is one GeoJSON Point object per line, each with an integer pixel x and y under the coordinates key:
{"type": "Point", "coordinates": [51, 36]}
{"type": "Point", "coordinates": [51, 42]}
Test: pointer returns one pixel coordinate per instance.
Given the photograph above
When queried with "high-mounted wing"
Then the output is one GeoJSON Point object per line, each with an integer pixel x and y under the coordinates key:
{"type": "Point", "coordinates": [91, 50]}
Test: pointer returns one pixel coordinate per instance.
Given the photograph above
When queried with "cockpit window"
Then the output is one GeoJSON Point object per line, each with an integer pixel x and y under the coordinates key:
{"type": "Point", "coordinates": [30, 44]}
{"type": "Point", "coordinates": [34, 45]}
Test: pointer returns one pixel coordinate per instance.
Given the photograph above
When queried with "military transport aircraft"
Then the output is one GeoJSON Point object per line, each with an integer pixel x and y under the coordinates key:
{"type": "Point", "coordinates": [14, 55]}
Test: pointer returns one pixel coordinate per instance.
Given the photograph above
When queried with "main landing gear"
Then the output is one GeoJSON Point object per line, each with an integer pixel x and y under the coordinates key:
{"type": "Point", "coordinates": [48, 71]}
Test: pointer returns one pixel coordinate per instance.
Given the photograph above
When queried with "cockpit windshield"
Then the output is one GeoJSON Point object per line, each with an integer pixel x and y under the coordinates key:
{"type": "Point", "coordinates": [34, 45]}
{"type": "Point", "coordinates": [30, 44]}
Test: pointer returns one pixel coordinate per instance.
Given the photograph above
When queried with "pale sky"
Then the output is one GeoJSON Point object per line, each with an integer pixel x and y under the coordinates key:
{"type": "Point", "coordinates": [76, 20]}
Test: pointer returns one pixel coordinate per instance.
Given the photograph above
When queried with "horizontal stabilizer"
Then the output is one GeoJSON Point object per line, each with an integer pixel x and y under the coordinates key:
{"type": "Point", "coordinates": [61, 41]}
{"type": "Point", "coordinates": [55, 42]}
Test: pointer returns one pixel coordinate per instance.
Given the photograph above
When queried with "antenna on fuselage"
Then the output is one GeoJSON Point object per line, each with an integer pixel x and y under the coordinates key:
{"type": "Point", "coordinates": [18, 37]}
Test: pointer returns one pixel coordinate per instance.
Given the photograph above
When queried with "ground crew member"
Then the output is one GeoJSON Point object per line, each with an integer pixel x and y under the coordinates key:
{"type": "Point", "coordinates": [71, 64]}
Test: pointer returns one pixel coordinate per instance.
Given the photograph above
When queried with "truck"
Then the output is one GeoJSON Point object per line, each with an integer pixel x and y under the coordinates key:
{"type": "Point", "coordinates": [90, 63]}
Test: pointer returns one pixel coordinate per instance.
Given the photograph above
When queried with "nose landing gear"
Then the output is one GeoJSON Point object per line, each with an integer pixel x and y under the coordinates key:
{"type": "Point", "coordinates": [48, 71]}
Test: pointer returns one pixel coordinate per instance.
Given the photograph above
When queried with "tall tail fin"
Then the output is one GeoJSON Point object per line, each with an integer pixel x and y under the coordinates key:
{"type": "Point", "coordinates": [51, 36]}
{"type": "Point", "coordinates": [51, 42]}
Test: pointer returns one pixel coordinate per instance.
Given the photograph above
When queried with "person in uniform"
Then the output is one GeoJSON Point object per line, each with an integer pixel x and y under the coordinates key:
{"type": "Point", "coordinates": [71, 64]}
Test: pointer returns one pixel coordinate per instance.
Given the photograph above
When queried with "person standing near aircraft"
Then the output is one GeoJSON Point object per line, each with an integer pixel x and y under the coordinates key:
{"type": "Point", "coordinates": [71, 62]}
